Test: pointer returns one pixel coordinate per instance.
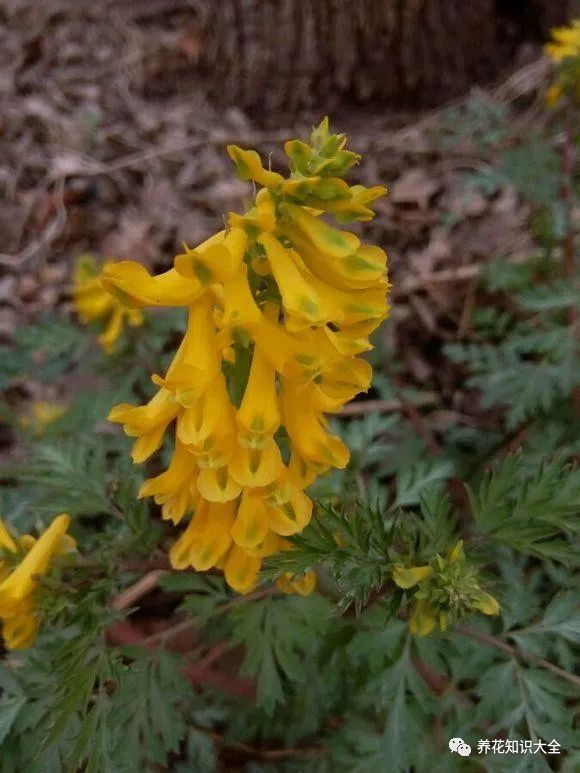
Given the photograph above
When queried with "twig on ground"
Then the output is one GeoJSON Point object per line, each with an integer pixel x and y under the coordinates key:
{"type": "Point", "coordinates": [50, 234]}
{"type": "Point", "coordinates": [405, 286]}
{"type": "Point", "coordinates": [512, 445]}
{"type": "Point", "coordinates": [415, 417]}
{"type": "Point", "coordinates": [363, 407]}
{"type": "Point", "coordinates": [138, 590]}
{"type": "Point", "coordinates": [185, 625]}
{"type": "Point", "coordinates": [518, 654]}
{"type": "Point", "coordinates": [261, 754]}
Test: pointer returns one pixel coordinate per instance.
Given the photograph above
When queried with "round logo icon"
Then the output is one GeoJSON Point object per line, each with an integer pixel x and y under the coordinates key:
{"type": "Point", "coordinates": [458, 746]}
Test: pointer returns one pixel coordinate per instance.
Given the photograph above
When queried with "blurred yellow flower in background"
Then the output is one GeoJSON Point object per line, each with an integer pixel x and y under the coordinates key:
{"type": "Point", "coordinates": [565, 42]}
{"type": "Point", "coordinates": [94, 304]}
{"type": "Point", "coordinates": [40, 414]}
{"type": "Point", "coordinates": [564, 51]}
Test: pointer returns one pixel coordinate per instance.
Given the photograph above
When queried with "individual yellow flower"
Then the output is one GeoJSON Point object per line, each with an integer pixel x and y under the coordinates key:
{"type": "Point", "coordinates": [147, 422]}
{"type": "Point", "coordinates": [93, 302]}
{"type": "Point", "coordinates": [217, 262]}
{"type": "Point", "coordinates": [258, 416]}
{"type": "Point", "coordinates": [207, 537]}
{"type": "Point", "coordinates": [175, 489]}
{"type": "Point", "coordinates": [25, 560]}
{"type": "Point", "coordinates": [134, 286]}
{"type": "Point", "coordinates": [553, 94]}
{"type": "Point", "coordinates": [249, 167]}
{"type": "Point", "coordinates": [409, 577]}
{"type": "Point", "coordinates": [252, 522]}
{"type": "Point", "coordinates": [565, 42]}
{"type": "Point", "coordinates": [40, 415]}
{"type": "Point", "coordinates": [564, 51]}
{"type": "Point", "coordinates": [241, 569]}
{"type": "Point", "coordinates": [279, 305]}
{"type": "Point", "coordinates": [485, 602]}
{"type": "Point", "coordinates": [303, 585]}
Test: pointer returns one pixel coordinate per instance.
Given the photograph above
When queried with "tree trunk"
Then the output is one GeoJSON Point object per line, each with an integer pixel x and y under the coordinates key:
{"type": "Point", "coordinates": [283, 55]}
{"type": "Point", "coordinates": [546, 14]}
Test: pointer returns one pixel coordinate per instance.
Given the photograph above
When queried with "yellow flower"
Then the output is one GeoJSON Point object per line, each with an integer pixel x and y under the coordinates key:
{"type": "Point", "coordinates": [134, 286]}
{"type": "Point", "coordinates": [259, 219]}
{"type": "Point", "coordinates": [6, 541]}
{"type": "Point", "coordinates": [256, 467]}
{"type": "Point", "coordinates": [485, 603]}
{"type": "Point", "coordinates": [175, 489]}
{"type": "Point", "coordinates": [448, 588]}
{"type": "Point", "coordinates": [240, 310]}
{"type": "Point", "coordinates": [207, 415]}
{"type": "Point", "coordinates": [93, 302]}
{"type": "Point", "coordinates": [324, 237]}
{"type": "Point", "coordinates": [553, 94]}
{"type": "Point", "coordinates": [279, 305]}
{"type": "Point", "coordinates": [306, 427]}
{"type": "Point", "coordinates": [249, 167]}
{"type": "Point", "coordinates": [408, 577]}
{"type": "Point", "coordinates": [259, 414]}
{"type": "Point", "coordinates": [303, 585]}
{"type": "Point", "coordinates": [18, 584]}
{"type": "Point", "coordinates": [217, 263]}
{"type": "Point", "coordinates": [197, 362]}
{"type": "Point", "coordinates": [147, 422]}
{"type": "Point", "coordinates": [252, 521]}
{"type": "Point", "coordinates": [355, 271]}
{"type": "Point", "coordinates": [241, 569]}
{"type": "Point", "coordinates": [299, 297]}
{"type": "Point", "coordinates": [565, 42]}
{"type": "Point", "coordinates": [41, 415]}
{"type": "Point", "coordinates": [207, 537]}
{"type": "Point", "coordinates": [423, 620]}
{"type": "Point", "coordinates": [564, 51]}
{"type": "Point", "coordinates": [290, 516]}
{"type": "Point", "coordinates": [217, 484]}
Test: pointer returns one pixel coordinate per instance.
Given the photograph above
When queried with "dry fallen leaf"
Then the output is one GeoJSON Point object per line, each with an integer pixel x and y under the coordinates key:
{"type": "Point", "coordinates": [415, 187]}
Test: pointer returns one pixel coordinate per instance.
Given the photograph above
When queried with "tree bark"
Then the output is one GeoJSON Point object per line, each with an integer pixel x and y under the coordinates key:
{"type": "Point", "coordinates": [283, 55]}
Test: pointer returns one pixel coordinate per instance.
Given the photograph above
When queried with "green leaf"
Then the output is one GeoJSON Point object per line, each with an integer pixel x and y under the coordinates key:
{"type": "Point", "coordinates": [555, 296]}
{"type": "Point", "coordinates": [412, 482]}
{"type": "Point", "coordinates": [276, 633]}
{"type": "Point", "coordinates": [9, 710]}
{"type": "Point", "coordinates": [531, 510]}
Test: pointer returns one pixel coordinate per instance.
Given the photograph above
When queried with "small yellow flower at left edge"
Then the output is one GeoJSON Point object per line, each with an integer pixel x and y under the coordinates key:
{"type": "Point", "coordinates": [18, 582]}
{"type": "Point", "coordinates": [40, 415]}
{"type": "Point", "coordinates": [94, 303]}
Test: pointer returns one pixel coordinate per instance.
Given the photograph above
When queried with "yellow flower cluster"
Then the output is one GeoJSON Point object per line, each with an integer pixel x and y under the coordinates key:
{"type": "Point", "coordinates": [564, 51]}
{"type": "Point", "coordinates": [565, 42]}
{"type": "Point", "coordinates": [22, 560]}
{"type": "Point", "coordinates": [447, 589]}
{"type": "Point", "coordinates": [280, 303]}
{"type": "Point", "coordinates": [93, 303]}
